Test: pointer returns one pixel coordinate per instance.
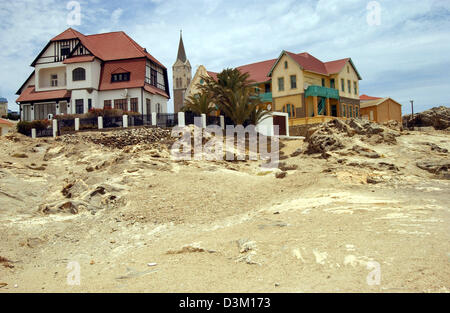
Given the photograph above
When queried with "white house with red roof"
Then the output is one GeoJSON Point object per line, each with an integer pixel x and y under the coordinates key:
{"type": "Point", "coordinates": [75, 73]}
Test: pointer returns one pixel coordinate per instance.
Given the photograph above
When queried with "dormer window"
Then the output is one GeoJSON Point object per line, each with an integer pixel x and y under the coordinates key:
{"type": "Point", "coordinates": [65, 50]}
{"type": "Point", "coordinates": [122, 77]}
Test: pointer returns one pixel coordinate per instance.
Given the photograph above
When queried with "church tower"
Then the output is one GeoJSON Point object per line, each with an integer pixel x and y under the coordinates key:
{"type": "Point", "coordinates": [182, 75]}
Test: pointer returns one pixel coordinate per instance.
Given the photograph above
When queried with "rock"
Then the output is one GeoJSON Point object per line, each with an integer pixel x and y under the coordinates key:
{"type": "Point", "coordinates": [437, 167]}
{"type": "Point", "coordinates": [366, 152]}
{"type": "Point", "coordinates": [297, 153]}
{"type": "Point", "coordinates": [436, 148]}
{"type": "Point", "coordinates": [191, 248]}
{"type": "Point", "coordinates": [280, 175]}
{"type": "Point", "coordinates": [20, 155]}
{"type": "Point", "coordinates": [438, 118]}
{"type": "Point", "coordinates": [319, 143]}
{"type": "Point", "coordinates": [246, 245]}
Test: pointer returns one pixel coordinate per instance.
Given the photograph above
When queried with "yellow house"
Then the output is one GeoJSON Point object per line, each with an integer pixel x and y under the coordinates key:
{"type": "Point", "coordinates": [312, 91]}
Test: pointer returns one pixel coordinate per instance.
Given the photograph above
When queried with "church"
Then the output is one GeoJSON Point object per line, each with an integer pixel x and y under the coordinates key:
{"type": "Point", "coordinates": [182, 74]}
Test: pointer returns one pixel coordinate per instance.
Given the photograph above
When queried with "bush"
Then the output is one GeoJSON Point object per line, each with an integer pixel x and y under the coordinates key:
{"type": "Point", "coordinates": [24, 127]}
{"type": "Point", "coordinates": [13, 116]}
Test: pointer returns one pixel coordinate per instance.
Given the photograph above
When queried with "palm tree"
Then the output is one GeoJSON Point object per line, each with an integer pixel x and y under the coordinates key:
{"type": "Point", "coordinates": [199, 104]}
{"type": "Point", "coordinates": [233, 93]}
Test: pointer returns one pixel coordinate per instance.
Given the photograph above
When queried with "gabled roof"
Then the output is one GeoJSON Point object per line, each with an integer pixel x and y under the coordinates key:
{"type": "Point", "coordinates": [258, 71]}
{"type": "Point", "coordinates": [213, 75]}
{"type": "Point", "coordinates": [5, 122]}
{"type": "Point", "coordinates": [30, 95]}
{"type": "Point", "coordinates": [18, 92]}
{"type": "Point", "coordinates": [310, 63]}
{"type": "Point", "coordinates": [106, 46]}
{"type": "Point", "coordinates": [368, 98]}
{"type": "Point", "coordinates": [377, 102]}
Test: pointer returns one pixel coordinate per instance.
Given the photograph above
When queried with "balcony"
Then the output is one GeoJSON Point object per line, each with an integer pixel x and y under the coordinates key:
{"type": "Point", "coordinates": [266, 97]}
{"type": "Point", "coordinates": [319, 91]}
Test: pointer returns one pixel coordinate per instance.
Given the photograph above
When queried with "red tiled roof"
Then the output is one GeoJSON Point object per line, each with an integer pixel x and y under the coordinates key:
{"type": "Point", "coordinates": [69, 33]}
{"type": "Point", "coordinates": [79, 59]}
{"type": "Point", "coordinates": [213, 75]}
{"type": "Point", "coordinates": [258, 71]}
{"type": "Point", "coordinates": [309, 63]}
{"type": "Point", "coordinates": [30, 94]}
{"type": "Point", "coordinates": [154, 90]}
{"type": "Point", "coordinates": [334, 67]}
{"type": "Point", "coordinates": [5, 122]}
{"type": "Point", "coordinates": [109, 46]}
{"type": "Point", "coordinates": [136, 68]}
{"type": "Point", "coordinates": [368, 98]}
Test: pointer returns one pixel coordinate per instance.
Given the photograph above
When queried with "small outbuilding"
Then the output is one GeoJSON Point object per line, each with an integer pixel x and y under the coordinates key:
{"type": "Point", "coordinates": [5, 126]}
{"type": "Point", "coordinates": [381, 110]}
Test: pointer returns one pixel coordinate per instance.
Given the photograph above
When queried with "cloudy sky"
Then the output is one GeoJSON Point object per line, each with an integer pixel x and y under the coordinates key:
{"type": "Point", "coordinates": [402, 53]}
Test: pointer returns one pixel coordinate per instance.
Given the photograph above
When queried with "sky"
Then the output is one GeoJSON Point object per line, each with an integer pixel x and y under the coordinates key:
{"type": "Point", "coordinates": [400, 48]}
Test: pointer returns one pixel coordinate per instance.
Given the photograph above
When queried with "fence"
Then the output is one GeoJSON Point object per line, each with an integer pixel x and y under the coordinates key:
{"type": "Point", "coordinates": [48, 132]}
{"type": "Point", "coordinates": [165, 120]}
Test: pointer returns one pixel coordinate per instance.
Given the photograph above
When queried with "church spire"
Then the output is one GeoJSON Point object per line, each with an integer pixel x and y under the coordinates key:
{"type": "Point", "coordinates": [181, 53]}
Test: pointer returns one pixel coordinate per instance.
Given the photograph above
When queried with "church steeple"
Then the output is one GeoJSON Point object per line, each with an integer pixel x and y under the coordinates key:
{"type": "Point", "coordinates": [182, 75]}
{"type": "Point", "coordinates": [181, 52]}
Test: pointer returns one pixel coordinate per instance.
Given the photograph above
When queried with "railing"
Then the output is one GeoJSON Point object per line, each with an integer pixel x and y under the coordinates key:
{"type": "Point", "coordinates": [48, 132]}
{"type": "Point", "coordinates": [88, 123]}
{"type": "Point", "coordinates": [66, 126]}
{"type": "Point", "coordinates": [139, 120]}
{"type": "Point", "coordinates": [112, 121]}
{"type": "Point", "coordinates": [213, 120]}
{"type": "Point", "coordinates": [167, 119]}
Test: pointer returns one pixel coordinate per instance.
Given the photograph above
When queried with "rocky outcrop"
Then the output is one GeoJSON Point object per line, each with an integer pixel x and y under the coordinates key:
{"type": "Point", "coordinates": [335, 134]}
{"type": "Point", "coordinates": [439, 118]}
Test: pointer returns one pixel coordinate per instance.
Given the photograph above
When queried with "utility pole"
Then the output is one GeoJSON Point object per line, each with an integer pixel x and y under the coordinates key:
{"type": "Point", "coordinates": [412, 111]}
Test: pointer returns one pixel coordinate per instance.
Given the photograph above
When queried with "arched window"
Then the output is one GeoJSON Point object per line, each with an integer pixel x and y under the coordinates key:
{"type": "Point", "coordinates": [79, 74]}
{"type": "Point", "coordinates": [289, 109]}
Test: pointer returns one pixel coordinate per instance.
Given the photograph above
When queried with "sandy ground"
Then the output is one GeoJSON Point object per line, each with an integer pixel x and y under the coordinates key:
{"type": "Point", "coordinates": [222, 227]}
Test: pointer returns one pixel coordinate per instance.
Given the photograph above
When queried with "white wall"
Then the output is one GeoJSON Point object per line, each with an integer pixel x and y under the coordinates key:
{"type": "Point", "coordinates": [92, 69]}
{"type": "Point", "coordinates": [265, 127]}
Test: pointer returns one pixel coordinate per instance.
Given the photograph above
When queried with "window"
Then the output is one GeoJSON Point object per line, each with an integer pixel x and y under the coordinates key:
{"type": "Point", "coordinates": [290, 110]}
{"type": "Point", "coordinates": [134, 105]}
{"type": "Point", "coordinates": [343, 85]}
{"type": "Point", "coordinates": [65, 50]}
{"type": "Point", "coordinates": [293, 82]}
{"type": "Point", "coordinates": [323, 82]}
{"type": "Point", "coordinates": [54, 80]}
{"type": "Point", "coordinates": [356, 111]}
{"type": "Point", "coordinates": [349, 86]}
{"type": "Point", "coordinates": [355, 86]}
{"type": "Point", "coordinates": [121, 104]}
{"type": "Point", "coordinates": [107, 104]}
{"type": "Point", "coordinates": [89, 104]}
{"type": "Point", "coordinates": [79, 106]}
{"type": "Point", "coordinates": [281, 84]}
{"type": "Point", "coordinates": [267, 88]}
{"type": "Point", "coordinates": [122, 77]}
{"type": "Point", "coordinates": [159, 107]}
{"type": "Point", "coordinates": [332, 83]}
{"type": "Point", "coordinates": [154, 78]}
{"type": "Point", "coordinates": [202, 81]}
{"type": "Point", "coordinates": [344, 111]}
{"type": "Point", "coordinates": [348, 69]}
{"type": "Point", "coordinates": [148, 105]}
{"type": "Point", "coordinates": [78, 74]}
{"type": "Point", "coordinates": [350, 110]}
{"type": "Point", "coordinates": [285, 64]}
